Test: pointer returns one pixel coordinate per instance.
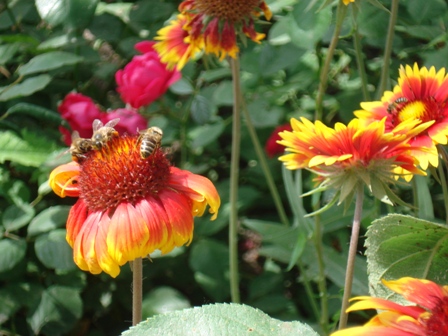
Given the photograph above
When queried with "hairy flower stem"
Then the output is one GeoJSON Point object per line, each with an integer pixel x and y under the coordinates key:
{"type": "Point", "coordinates": [360, 59]}
{"type": "Point", "coordinates": [388, 49]}
{"type": "Point", "coordinates": [340, 14]}
{"type": "Point", "coordinates": [234, 173]}
{"type": "Point", "coordinates": [351, 257]}
{"type": "Point", "coordinates": [137, 280]}
{"type": "Point", "coordinates": [264, 165]}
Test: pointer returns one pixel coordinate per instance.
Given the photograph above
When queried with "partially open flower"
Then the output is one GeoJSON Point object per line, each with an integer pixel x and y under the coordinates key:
{"type": "Point", "coordinates": [210, 25]}
{"type": "Point", "coordinates": [429, 317]}
{"type": "Point", "coordinates": [128, 206]}
{"type": "Point", "coordinates": [349, 156]}
{"type": "Point", "coordinates": [421, 94]}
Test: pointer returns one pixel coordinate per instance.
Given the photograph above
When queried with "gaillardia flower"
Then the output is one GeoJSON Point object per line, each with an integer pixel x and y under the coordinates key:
{"type": "Point", "coordinates": [429, 317]}
{"type": "Point", "coordinates": [129, 206]}
{"type": "Point", "coordinates": [421, 94]}
{"type": "Point", "coordinates": [346, 2]}
{"type": "Point", "coordinates": [349, 156]}
{"type": "Point", "coordinates": [211, 25]}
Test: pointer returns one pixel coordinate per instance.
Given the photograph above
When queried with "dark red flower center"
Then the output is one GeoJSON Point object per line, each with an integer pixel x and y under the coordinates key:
{"type": "Point", "coordinates": [437, 324]}
{"type": "Point", "coordinates": [230, 10]}
{"type": "Point", "coordinates": [117, 174]}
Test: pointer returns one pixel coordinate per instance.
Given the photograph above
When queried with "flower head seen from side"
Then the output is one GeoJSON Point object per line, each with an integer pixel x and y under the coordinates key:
{"type": "Point", "coordinates": [428, 317]}
{"type": "Point", "coordinates": [210, 25]}
{"type": "Point", "coordinates": [421, 94]}
{"type": "Point", "coordinates": [128, 206]}
{"type": "Point", "coordinates": [345, 157]}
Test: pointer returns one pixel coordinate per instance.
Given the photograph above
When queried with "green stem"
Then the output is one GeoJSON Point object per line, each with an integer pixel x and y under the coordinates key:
{"type": "Point", "coordinates": [308, 289]}
{"type": "Point", "coordinates": [322, 279]}
{"type": "Point", "coordinates": [234, 173]}
{"type": "Point", "coordinates": [360, 58]}
{"type": "Point", "coordinates": [340, 14]}
{"type": "Point", "coordinates": [137, 284]}
{"type": "Point", "coordinates": [444, 188]}
{"type": "Point", "coordinates": [264, 165]}
{"type": "Point", "coordinates": [388, 49]}
{"type": "Point", "coordinates": [351, 257]}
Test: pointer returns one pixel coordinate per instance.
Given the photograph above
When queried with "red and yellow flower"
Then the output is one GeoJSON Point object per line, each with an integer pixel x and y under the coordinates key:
{"type": "Point", "coordinates": [348, 156]}
{"type": "Point", "coordinates": [421, 94]}
{"type": "Point", "coordinates": [429, 317]}
{"type": "Point", "coordinates": [346, 2]}
{"type": "Point", "coordinates": [128, 206]}
{"type": "Point", "coordinates": [209, 25]}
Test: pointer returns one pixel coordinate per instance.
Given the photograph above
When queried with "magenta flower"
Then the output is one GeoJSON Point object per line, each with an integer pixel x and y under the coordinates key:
{"type": "Point", "coordinates": [145, 78]}
{"type": "Point", "coordinates": [130, 120]}
{"type": "Point", "coordinates": [80, 112]}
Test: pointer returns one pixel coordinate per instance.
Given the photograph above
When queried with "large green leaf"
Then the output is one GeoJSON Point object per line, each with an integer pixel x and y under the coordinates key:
{"type": "Point", "coordinates": [16, 216]}
{"type": "Point", "coordinates": [49, 61]}
{"type": "Point", "coordinates": [399, 246]}
{"type": "Point", "coordinates": [162, 300]}
{"type": "Point", "coordinates": [218, 319]}
{"type": "Point", "coordinates": [31, 150]}
{"type": "Point", "coordinates": [35, 111]}
{"type": "Point", "coordinates": [26, 88]}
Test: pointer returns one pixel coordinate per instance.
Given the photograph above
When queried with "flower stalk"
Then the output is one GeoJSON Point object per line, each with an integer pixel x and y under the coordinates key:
{"type": "Point", "coordinates": [234, 175]}
{"type": "Point", "coordinates": [388, 48]}
{"type": "Point", "coordinates": [351, 257]}
{"type": "Point", "coordinates": [137, 289]}
{"type": "Point", "coordinates": [323, 79]}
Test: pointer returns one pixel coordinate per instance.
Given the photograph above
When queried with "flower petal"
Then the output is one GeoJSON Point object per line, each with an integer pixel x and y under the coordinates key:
{"type": "Point", "coordinates": [64, 180]}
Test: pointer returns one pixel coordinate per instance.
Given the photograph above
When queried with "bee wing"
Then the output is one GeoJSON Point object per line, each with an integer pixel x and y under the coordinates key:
{"type": "Point", "coordinates": [112, 123]}
{"type": "Point", "coordinates": [97, 124]}
{"type": "Point", "coordinates": [75, 135]}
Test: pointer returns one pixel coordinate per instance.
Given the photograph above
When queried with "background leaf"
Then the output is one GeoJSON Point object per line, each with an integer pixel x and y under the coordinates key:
{"type": "Point", "coordinates": [399, 246]}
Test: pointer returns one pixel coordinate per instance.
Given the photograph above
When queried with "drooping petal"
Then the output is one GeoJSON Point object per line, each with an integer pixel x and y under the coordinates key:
{"type": "Point", "coordinates": [76, 218]}
{"type": "Point", "coordinates": [64, 180]}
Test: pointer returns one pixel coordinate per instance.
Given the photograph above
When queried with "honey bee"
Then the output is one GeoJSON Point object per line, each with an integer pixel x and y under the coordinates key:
{"type": "Point", "coordinates": [394, 104]}
{"type": "Point", "coordinates": [103, 133]}
{"type": "Point", "coordinates": [79, 146]}
{"type": "Point", "coordinates": [150, 140]}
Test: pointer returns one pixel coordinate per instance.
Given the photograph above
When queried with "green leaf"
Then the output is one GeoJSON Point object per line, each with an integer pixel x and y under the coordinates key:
{"type": "Point", "coordinates": [11, 253]}
{"type": "Point", "coordinates": [206, 134]}
{"type": "Point", "coordinates": [218, 319]}
{"type": "Point", "coordinates": [73, 13]}
{"type": "Point", "coordinates": [16, 216]}
{"type": "Point", "coordinates": [54, 252]}
{"type": "Point", "coordinates": [49, 219]}
{"type": "Point", "coordinates": [57, 312]}
{"type": "Point", "coordinates": [7, 52]}
{"type": "Point", "coordinates": [264, 115]}
{"type": "Point", "coordinates": [182, 87]}
{"type": "Point", "coordinates": [210, 262]}
{"type": "Point", "coordinates": [426, 10]}
{"type": "Point", "coordinates": [28, 151]}
{"type": "Point", "coordinates": [35, 111]}
{"type": "Point", "coordinates": [49, 61]}
{"type": "Point", "coordinates": [223, 94]}
{"type": "Point", "coordinates": [26, 88]}
{"type": "Point", "coordinates": [399, 246]}
{"type": "Point", "coordinates": [162, 300]}
{"type": "Point", "coordinates": [9, 305]}
{"type": "Point", "coordinates": [202, 109]}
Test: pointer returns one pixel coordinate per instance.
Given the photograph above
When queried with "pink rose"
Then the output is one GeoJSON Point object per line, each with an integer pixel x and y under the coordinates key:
{"type": "Point", "coordinates": [272, 148]}
{"type": "Point", "coordinates": [145, 78]}
{"type": "Point", "coordinates": [130, 121]}
{"type": "Point", "coordinates": [80, 112]}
